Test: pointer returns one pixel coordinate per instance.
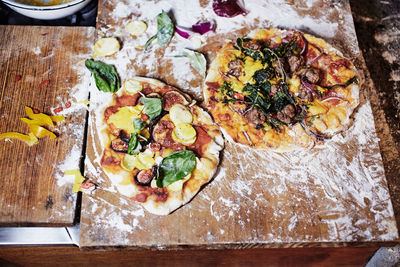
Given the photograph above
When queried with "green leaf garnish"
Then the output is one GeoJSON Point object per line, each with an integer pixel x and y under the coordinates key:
{"type": "Point", "coordinates": [197, 60]}
{"type": "Point", "coordinates": [175, 167]}
{"type": "Point", "coordinates": [105, 76]}
{"type": "Point", "coordinates": [165, 30]}
{"type": "Point", "coordinates": [138, 124]}
{"type": "Point", "coordinates": [134, 146]}
{"type": "Point", "coordinates": [152, 106]}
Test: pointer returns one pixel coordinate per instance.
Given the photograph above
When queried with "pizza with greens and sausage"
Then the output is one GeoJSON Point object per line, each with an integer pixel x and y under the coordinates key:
{"type": "Point", "coordinates": [159, 147]}
{"type": "Point", "coordinates": [281, 90]}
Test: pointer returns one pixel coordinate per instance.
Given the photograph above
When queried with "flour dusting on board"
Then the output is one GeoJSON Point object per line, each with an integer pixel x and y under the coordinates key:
{"type": "Point", "coordinates": [263, 197]}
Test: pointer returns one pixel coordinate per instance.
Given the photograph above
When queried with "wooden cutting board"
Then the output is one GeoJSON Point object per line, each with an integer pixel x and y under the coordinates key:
{"type": "Point", "coordinates": [335, 195]}
{"type": "Point", "coordinates": [39, 69]}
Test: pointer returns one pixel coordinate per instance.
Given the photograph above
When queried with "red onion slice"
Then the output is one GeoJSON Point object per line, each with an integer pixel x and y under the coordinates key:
{"type": "Point", "coordinates": [305, 46]}
{"type": "Point", "coordinates": [309, 86]}
{"type": "Point", "coordinates": [204, 26]}
{"type": "Point", "coordinates": [334, 98]}
{"type": "Point", "coordinates": [182, 33]}
{"type": "Point", "coordinates": [201, 27]}
{"type": "Point", "coordinates": [228, 8]}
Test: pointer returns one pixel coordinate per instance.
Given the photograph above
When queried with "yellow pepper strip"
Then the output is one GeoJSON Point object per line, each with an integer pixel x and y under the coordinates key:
{"type": "Point", "coordinates": [29, 139]}
{"type": "Point", "coordinates": [78, 179]}
{"type": "Point", "coordinates": [43, 119]}
{"type": "Point", "coordinates": [30, 122]}
{"type": "Point", "coordinates": [40, 132]}
{"type": "Point", "coordinates": [57, 118]}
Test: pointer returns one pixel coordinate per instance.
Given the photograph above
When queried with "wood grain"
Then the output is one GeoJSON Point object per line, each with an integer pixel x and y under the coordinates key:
{"type": "Point", "coordinates": [29, 55]}
{"type": "Point", "coordinates": [71, 256]}
{"type": "Point", "coordinates": [275, 211]}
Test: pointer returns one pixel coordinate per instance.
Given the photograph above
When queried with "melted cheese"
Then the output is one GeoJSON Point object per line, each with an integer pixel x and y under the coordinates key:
{"type": "Point", "coordinates": [316, 108]}
{"type": "Point", "coordinates": [123, 118]}
{"type": "Point", "coordinates": [250, 67]}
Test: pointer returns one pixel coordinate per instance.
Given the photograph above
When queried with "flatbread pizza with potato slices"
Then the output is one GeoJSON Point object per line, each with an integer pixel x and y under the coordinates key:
{"type": "Point", "coordinates": [159, 147]}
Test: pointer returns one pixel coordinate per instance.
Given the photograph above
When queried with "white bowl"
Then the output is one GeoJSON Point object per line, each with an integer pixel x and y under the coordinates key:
{"type": "Point", "coordinates": [47, 12]}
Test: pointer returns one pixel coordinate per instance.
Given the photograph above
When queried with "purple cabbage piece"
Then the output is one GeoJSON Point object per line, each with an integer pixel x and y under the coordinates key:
{"type": "Point", "coordinates": [228, 8]}
{"type": "Point", "coordinates": [204, 26]}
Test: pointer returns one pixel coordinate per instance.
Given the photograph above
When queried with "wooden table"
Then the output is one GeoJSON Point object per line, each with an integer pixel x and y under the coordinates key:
{"type": "Point", "coordinates": [39, 200]}
{"type": "Point", "coordinates": [251, 202]}
{"type": "Point", "coordinates": [39, 70]}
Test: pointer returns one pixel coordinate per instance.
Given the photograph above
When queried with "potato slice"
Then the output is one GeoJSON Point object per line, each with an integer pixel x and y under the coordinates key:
{"type": "Point", "coordinates": [132, 86]}
{"type": "Point", "coordinates": [106, 46]}
{"type": "Point", "coordinates": [136, 27]}
{"type": "Point", "coordinates": [180, 114]}
{"type": "Point", "coordinates": [184, 133]}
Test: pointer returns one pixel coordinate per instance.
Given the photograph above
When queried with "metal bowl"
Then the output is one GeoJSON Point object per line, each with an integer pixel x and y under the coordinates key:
{"type": "Point", "coordinates": [46, 12]}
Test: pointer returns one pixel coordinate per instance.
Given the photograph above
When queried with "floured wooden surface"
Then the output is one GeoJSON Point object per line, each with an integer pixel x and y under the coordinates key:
{"type": "Point", "coordinates": [330, 195]}
{"type": "Point", "coordinates": [33, 190]}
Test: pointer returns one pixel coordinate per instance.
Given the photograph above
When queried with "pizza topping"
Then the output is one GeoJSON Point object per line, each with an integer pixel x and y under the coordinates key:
{"type": "Point", "coordinates": [123, 118]}
{"type": "Point", "coordinates": [255, 116]}
{"type": "Point", "coordinates": [286, 114]}
{"type": "Point", "coordinates": [235, 67]}
{"type": "Point", "coordinates": [127, 100]}
{"type": "Point", "coordinates": [132, 86]}
{"type": "Point", "coordinates": [180, 114]}
{"type": "Point", "coordinates": [175, 166]}
{"type": "Point", "coordinates": [295, 62]}
{"type": "Point", "coordinates": [119, 145]}
{"type": "Point", "coordinates": [152, 106]}
{"type": "Point", "coordinates": [144, 160]}
{"type": "Point", "coordinates": [202, 139]}
{"type": "Point", "coordinates": [305, 92]}
{"type": "Point", "coordinates": [155, 147]}
{"type": "Point", "coordinates": [312, 75]}
{"type": "Point", "coordinates": [171, 98]}
{"type": "Point", "coordinates": [184, 133]}
{"type": "Point", "coordinates": [144, 177]}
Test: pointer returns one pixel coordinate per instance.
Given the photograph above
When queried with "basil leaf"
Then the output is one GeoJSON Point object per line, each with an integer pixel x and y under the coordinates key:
{"type": "Point", "coordinates": [165, 30]}
{"type": "Point", "coordinates": [134, 146]}
{"type": "Point", "coordinates": [175, 167]}
{"type": "Point", "coordinates": [197, 60]}
{"type": "Point", "coordinates": [105, 76]}
{"type": "Point", "coordinates": [138, 124]}
{"type": "Point", "coordinates": [152, 106]}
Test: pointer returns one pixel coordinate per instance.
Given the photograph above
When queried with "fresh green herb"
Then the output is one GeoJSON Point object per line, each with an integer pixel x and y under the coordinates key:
{"type": "Point", "coordinates": [284, 49]}
{"type": "Point", "coordinates": [105, 76]}
{"type": "Point", "coordinates": [226, 89]}
{"type": "Point", "coordinates": [138, 124]}
{"type": "Point", "coordinates": [165, 30]}
{"type": "Point", "coordinates": [350, 81]}
{"type": "Point", "coordinates": [175, 167]}
{"type": "Point", "coordinates": [262, 76]}
{"type": "Point", "coordinates": [134, 145]}
{"type": "Point", "coordinates": [152, 106]}
{"type": "Point", "coordinates": [197, 60]}
{"type": "Point", "coordinates": [258, 96]}
{"type": "Point", "coordinates": [255, 54]}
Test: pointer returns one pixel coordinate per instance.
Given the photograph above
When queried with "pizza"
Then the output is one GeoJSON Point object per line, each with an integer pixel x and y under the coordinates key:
{"type": "Point", "coordinates": [159, 147]}
{"type": "Point", "coordinates": [281, 90]}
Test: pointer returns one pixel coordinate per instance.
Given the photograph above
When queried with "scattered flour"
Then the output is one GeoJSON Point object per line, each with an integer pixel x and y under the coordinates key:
{"type": "Point", "coordinates": [352, 188]}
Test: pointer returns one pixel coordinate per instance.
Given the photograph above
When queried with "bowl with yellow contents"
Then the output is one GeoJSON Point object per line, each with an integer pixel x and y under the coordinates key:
{"type": "Point", "coordinates": [46, 9]}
